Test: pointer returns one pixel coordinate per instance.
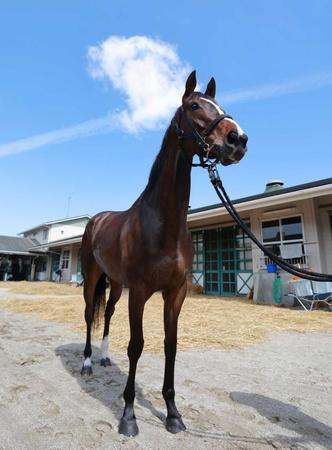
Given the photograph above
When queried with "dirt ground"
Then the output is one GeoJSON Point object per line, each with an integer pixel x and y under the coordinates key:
{"type": "Point", "coordinates": [274, 393]}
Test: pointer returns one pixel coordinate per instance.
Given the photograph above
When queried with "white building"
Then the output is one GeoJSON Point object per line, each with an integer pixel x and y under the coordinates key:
{"type": "Point", "coordinates": [60, 241]}
{"type": "Point", "coordinates": [295, 222]}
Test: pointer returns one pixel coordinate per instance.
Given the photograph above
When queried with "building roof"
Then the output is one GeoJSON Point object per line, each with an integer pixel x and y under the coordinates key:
{"type": "Point", "coordinates": [16, 245]}
{"type": "Point", "coordinates": [20, 245]}
{"type": "Point", "coordinates": [59, 242]}
{"type": "Point", "coordinates": [52, 222]}
{"type": "Point", "coordinates": [278, 192]}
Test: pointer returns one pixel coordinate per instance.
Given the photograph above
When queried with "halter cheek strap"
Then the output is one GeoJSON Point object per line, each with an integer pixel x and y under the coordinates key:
{"type": "Point", "coordinates": [194, 135]}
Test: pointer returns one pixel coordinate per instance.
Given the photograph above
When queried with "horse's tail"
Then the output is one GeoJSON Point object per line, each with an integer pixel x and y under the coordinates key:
{"type": "Point", "coordinates": [99, 301]}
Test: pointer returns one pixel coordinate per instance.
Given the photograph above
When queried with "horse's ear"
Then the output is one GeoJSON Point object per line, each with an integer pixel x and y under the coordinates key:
{"type": "Point", "coordinates": [211, 88]}
{"type": "Point", "coordinates": [190, 84]}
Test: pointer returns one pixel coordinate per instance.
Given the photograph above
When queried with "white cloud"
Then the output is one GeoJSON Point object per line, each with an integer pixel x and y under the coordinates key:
{"type": "Point", "coordinates": [90, 127]}
{"type": "Point", "coordinates": [151, 77]}
{"type": "Point", "coordinates": [266, 91]}
{"type": "Point", "coordinates": [148, 72]}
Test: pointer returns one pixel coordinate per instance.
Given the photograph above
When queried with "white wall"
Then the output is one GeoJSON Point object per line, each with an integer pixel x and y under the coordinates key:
{"type": "Point", "coordinates": [304, 208]}
{"type": "Point", "coordinates": [307, 208]}
{"type": "Point", "coordinates": [58, 231]}
{"type": "Point", "coordinates": [323, 213]}
{"type": "Point", "coordinates": [66, 229]}
{"type": "Point", "coordinates": [38, 234]}
{"type": "Point", "coordinates": [74, 259]}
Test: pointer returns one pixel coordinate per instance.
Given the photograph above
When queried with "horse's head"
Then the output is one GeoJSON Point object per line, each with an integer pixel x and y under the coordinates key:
{"type": "Point", "coordinates": [212, 133]}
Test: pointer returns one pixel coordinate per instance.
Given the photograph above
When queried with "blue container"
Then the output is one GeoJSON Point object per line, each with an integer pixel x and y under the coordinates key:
{"type": "Point", "coordinates": [271, 268]}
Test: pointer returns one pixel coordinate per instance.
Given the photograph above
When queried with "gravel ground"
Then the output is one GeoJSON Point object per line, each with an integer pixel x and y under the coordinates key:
{"type": "Point", "coordinates": [275, 394]}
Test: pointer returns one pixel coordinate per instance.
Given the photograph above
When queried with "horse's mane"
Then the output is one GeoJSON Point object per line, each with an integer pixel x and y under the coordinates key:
{"type": "Point", "coordinates": [159, 161]}
{"type": "Point", "coordinates": [157, 166]}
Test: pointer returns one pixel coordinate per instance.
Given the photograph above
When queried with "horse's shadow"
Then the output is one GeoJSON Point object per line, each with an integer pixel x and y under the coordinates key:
{"type": "Point", "coordinates": [105, 384]}
{"type": "Point", "coordinates": [287, 416]}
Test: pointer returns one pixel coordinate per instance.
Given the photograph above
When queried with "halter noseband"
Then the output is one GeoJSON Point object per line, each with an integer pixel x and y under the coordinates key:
{"type": "Point", "coordinates": [199, 138]}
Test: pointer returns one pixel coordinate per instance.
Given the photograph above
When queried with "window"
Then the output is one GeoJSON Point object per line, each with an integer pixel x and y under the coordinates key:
{"type": "Point", "coordinates": [271, 231]}
{"type": "Point", "coordinates": [243, 250]}
{"type": "Point", "coordinates": [285, 237]}
{"type": "Point", "coordinates": [45, 234]}
{"type": "Point", "coordinates": [65, 259]}
{"type": "Point", "coordinates": [197, 238]}
{"type": "Point", "coordinates": [282, 230]}
{"type": "Point", "coordinates": [292, 229]}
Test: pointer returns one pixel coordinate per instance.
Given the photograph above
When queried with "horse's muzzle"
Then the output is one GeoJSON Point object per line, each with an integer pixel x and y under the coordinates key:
{"type": "Point", "coordinates": [227, 155]}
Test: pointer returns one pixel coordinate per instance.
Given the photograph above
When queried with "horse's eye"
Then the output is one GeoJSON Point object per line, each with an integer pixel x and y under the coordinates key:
{"type": "Point", "coordinates": [194, 106]}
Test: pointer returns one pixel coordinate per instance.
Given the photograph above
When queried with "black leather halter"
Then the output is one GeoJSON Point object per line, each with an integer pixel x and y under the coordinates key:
{"type": "Point", "coordinates": [194, 135]}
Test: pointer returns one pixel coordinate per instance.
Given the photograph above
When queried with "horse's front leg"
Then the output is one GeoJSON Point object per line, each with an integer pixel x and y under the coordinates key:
{"type": "Point", "coordinates": [137, 299]}
{"type": "Point", "coordinates": [173, 302]}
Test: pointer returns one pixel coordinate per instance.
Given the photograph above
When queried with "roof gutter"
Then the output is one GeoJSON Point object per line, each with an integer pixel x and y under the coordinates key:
{"type": "Point", "coordinates": [263, 202]}
{"type": "Point", "coordinates": [11, 252]}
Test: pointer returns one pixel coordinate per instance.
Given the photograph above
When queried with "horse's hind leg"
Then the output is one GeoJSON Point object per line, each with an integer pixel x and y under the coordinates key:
{"type": "Point", "coordinates": [91, 279]}
{"type": "Point", "coordinates": [115, 294]}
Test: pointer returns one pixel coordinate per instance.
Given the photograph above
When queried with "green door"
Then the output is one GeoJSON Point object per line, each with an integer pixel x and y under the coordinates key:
{"type": "Point", "coordinates": [55, 265]}
{"type": "Point", "coordinates": [227, 261]}
{"type": "Point", "coordinates": [212, 262]}
{"type": "Point", "coordinates": [228, 265]}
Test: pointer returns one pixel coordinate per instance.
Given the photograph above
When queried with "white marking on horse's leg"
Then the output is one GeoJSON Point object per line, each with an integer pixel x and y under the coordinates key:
{"type": "Point", "coordinates": [87, 362]}
{"type": "Point", "coordinates": [104, 348]}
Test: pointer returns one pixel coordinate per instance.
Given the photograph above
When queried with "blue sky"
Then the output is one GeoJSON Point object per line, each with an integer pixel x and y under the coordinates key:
{"type": "Point", "coordinates": [273, 66]}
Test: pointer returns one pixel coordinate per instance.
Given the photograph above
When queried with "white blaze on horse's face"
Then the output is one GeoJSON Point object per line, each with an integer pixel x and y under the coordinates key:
{"type": "Point", "coordinates": [231, 146]}
{"type": "Point", "coordinates": [220, 111]}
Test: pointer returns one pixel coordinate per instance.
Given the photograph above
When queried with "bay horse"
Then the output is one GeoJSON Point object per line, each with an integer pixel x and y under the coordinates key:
{"type": "Point", "coordinates": [148, 248]}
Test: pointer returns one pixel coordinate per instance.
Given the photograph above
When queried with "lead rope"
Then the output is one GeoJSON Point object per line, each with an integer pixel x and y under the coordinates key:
{"type": "Point", "coordinates": [222, 194]}
{"type": "Point", "coordinates": [206, 163]}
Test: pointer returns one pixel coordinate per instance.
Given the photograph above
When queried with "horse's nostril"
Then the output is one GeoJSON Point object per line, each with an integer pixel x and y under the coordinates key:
{"type": "Point", "coordinates": [243, 139]}
{"type": "Point", "coordinates": [232, 137]}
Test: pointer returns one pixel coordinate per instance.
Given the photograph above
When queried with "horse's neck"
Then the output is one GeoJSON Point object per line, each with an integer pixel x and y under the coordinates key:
{"type": "Point", "coordinates": [168, 189]}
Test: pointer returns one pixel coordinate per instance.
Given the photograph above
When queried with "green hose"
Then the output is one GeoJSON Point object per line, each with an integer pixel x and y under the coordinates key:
{"type": "Point", "coordinates": [277, 290]}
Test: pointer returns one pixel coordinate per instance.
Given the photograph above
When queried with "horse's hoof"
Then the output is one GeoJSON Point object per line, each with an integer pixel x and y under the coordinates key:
{"type": "Point", "coordinates": [86, 370]}
{"type": "Point", "coordinates": [175, 425]}
{"type": "Point", "coordinates": [105, 362]}
{"type": "Point", "coordinates": [128, 427]}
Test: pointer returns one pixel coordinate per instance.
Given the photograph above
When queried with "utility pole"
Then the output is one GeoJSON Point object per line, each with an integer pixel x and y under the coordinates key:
{"type": "Point", "coordinates": [68, 203]}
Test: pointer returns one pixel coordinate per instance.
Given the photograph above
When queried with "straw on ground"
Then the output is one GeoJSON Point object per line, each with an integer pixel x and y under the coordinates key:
{"type": "Point", "coordinates": [205, 322]}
